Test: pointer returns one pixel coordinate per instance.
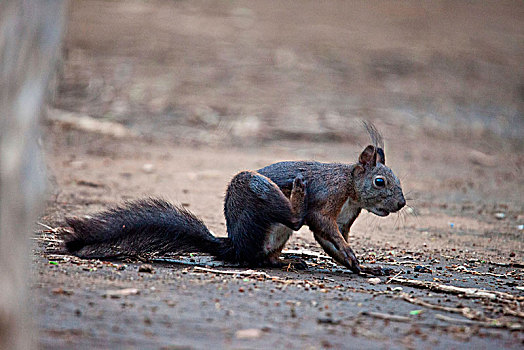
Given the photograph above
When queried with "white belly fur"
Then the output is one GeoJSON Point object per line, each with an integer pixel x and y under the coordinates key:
{"type": "Point", "coordinates": [347, 212]}
{"type": "Point", "coordinates": [278, 236]}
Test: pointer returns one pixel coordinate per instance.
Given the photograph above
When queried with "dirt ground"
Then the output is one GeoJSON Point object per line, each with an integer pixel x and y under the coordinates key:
{"type": "Point", "coordinates": [206, 89]}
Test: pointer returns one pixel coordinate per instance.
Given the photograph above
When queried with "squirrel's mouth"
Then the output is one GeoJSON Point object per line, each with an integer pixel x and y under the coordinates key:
{"type": "Point", "coordinates": [379, 212]}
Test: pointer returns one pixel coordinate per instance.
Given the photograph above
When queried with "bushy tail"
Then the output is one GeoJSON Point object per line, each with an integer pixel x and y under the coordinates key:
{"type": "Point", "coordinates": [147, 226]}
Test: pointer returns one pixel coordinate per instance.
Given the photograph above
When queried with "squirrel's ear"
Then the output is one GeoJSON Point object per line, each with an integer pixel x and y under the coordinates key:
{"type": "Point", "coordinates": [368, 156]}
{"type": "Point", "coordinates": [358, 170]}
{"type": "Point", "coordinates": [381, 157]}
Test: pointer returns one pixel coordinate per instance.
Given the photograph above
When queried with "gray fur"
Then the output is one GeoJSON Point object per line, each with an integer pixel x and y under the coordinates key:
{"type": "Point", "coordinates": [380, 201]}
{"type": "Point", "coordinates": [261, 186]}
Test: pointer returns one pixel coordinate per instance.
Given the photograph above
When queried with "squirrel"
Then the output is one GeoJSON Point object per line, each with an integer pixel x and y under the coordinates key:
{"type": "Point", "coordinates": [262, 208]}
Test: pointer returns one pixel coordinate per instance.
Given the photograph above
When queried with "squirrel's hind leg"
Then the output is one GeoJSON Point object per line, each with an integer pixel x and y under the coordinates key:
{"type": "Point", "coordinates": [255, 207]}
{"type": "Point", "coordinates": [278, 234]}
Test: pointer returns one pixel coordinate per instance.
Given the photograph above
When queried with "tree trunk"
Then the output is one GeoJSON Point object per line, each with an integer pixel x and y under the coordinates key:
{"type": "Point", "coordinates": [30, 35]}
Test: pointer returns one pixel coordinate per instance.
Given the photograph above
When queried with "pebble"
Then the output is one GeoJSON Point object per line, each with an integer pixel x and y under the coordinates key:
{"type": "Point", "coordinates": [500, 216]}
{"type": "Point", "coordinates": [421, 269]}
{"type": "Point", "coordinates": [250, 333]}
{"type": "Point", "coordinates": [145, 268]}
{"type": "Point", "coordinates": [121, 293]}
{"type": "Point", "coordinates": [328, 320]}
{"type": "Point", "coordinates": [374, 280]}
{"type": "Point", "coordinates": [148, 168]}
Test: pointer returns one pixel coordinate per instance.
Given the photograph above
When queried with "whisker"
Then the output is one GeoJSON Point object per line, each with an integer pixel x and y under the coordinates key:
{"type": "Point", "coordinates": [396, 222]}
{"type": "Point", "coordinates": [414, 213]}
{"type": "Point", "coordinates": [400, 219]}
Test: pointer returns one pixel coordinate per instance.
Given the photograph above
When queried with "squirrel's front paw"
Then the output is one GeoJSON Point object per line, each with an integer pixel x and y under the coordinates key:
{"type": "Point", "coordinates": [299, 184]}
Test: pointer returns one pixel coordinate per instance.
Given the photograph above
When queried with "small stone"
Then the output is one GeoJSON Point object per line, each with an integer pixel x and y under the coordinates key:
{"type": "Point", "coordinates": [148, 168]}
{"type": "Point", "coordinates": [500, 216]}
{"type": "Point", "coordinates": [422, 269]}
{"type": "Point", "coordinates": [250, 333]}
{"type": "Point", "coordinates": [145, 268]}
{"type": "Point", "coordinates": [374, 280]}
{"type": "Point", "coordinates": [121, 293]}
{"type": "Point", "coordinates": [327, 320]}
{"type": "Point", "coordinates": [62, 291]}
{"type": "Point", "coordinates": [397, 289]}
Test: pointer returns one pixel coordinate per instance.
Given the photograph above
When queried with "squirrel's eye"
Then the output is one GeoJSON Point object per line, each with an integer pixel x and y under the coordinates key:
{"type": "Point", "coordinates": [379, 182]}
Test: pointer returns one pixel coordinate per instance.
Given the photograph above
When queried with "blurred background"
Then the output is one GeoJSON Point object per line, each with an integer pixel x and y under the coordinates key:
{"type": "Point", "coordinates": [249, 72]}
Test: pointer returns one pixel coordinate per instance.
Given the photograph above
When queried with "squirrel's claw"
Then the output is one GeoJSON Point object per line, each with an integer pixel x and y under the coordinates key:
{"type": "Point", "coordinates": [351, 260]}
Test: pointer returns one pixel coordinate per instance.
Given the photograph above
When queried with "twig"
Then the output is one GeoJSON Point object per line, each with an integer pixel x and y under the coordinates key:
{"type": "Point", "coordinates": [510, 264]}
{"type": "Point", "coordinates": [57, 257]}
{"type": "Point", "coordinates": [253, 273]}
{"type": "Point", "coordinates": [508, 311]}
{"type": "Point", "coordinates": [489, 324]}
{"type": "Point", "coordinates": [467, 292]}
{"type": "Point", "coordinates": [391, 278]}
{"type": "Point", "coordinates": [462, 269]}
{"type": "Point", "coordinates": [189, 263]}
{"type": "Point", "coordinates": [395, 318]}
{"type": "Point", "coordinates": [464, 311]}
{"type": "Point", "coordinates": [45, 239]}
{"type": "Point", "coordinates": [503, 264]}
{"type": "Point", "coordinates": [233, 272]}
{"type": "Point", "coordinates": [54, 230]}
{"type": "Point", "coordinates": [403, 262]}
{"type": "Point", "coordinates": [305, 253]}
{"type": "Point", "coordinates": [86, 123]}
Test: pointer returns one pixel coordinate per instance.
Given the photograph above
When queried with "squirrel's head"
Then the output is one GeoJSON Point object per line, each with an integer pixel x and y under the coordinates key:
{"type": "Point", "coordinates": [377, 188]}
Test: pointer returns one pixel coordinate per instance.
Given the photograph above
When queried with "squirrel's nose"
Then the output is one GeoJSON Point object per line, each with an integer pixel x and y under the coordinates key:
{"type": "Point", "coordinates": [401, 204]}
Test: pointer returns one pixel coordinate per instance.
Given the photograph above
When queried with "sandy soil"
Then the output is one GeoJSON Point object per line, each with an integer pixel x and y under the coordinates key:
{"type": "Point", "coordinates": [198, 117]}
{"type": "Point", "coordinates": [181, 307]}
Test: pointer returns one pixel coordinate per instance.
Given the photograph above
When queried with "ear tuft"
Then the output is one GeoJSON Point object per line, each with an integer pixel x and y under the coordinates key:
{"type": "Point", "coordinates": [368, 157]}
{"type": "Point", "coordinates": [376, 137]}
